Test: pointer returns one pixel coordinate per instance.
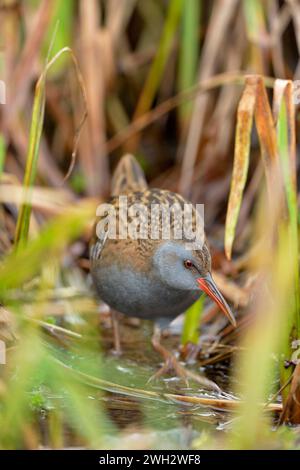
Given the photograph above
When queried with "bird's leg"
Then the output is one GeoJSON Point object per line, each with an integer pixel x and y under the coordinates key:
{"type": "Point", "coordinates": [116, 332]}
{"type": "Point", "coordinates": [171, 363]}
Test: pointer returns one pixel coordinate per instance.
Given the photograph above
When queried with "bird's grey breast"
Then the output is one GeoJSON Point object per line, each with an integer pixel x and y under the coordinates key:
{"type": "Point", "coordinates": [139, 294]}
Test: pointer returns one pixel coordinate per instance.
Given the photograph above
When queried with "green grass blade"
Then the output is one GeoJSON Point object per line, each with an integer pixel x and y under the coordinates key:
{"type": "Point", "coordinates": [36, 128]}
{"type": "Point", "coordinates": [287, 151]}
{"type": "Point", "coordinates": [286, 136]}
{"type": "Point", "coordinates": [255, 20]}
{"type": "Point", "coordinates": [157, 68]}
{"type": "Point", "coordinates": [189, 52]}
{"type": "Point", "coordinates": [21, 265]}
{"type": "Point", "coordinates": [64, 16]}
{"type": "Point", "coordinates": [192, 320]}
{"type": "Point", "coordinates": [2, 153]}
{"type": "Point", "coordinates": [22, 228]}
{"type": "Point", "coordinates": [256, 29]}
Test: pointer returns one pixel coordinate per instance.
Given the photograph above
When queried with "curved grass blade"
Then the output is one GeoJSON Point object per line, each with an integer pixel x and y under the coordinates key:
{"type": "Point", "coordinates": [241, 161]}
{"type": "Point", "coordinates": [23, 221]}
{"type": "Point", "coordinates": [37, 121]}
{"type": "Point", "coordinates": [268, 141]}
{"type": "Point", "coordinates": [259, 103]}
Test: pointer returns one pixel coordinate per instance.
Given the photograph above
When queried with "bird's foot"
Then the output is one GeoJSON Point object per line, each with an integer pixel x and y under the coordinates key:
{"type": "Point", "coordinates": [117, 352]}
{"type": "Point", "coordinates": [190, 351]}
{"type": "Point", "coordinates": [171, 364]}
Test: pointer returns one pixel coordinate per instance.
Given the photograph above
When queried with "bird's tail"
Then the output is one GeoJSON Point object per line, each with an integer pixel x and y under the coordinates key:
{"type": "Point", "coordinates": [128, 176]}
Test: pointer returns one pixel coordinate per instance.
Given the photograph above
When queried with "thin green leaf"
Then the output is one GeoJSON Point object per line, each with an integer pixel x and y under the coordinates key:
{"type": "Point", "coordinates": [2, 153]}
{"type": "Point", "coordinates": [192, 320]}
{"type": "Point", "coordinates": [285, 117]}
{"type": "Point", "coordinates": [64, 16]}
{"type": "Point", "coordinates": [189, 52]}
{"type": "Point", "coordinates": [23, 221]}
{"type": "Point", "coordinates": [157, 68]}
{"type": "Point", "coordinates": [23, 264]}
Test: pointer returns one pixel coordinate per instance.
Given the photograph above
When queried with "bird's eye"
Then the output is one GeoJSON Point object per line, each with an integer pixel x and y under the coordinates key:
{"type": "Point", "coordinates": [188, 264]}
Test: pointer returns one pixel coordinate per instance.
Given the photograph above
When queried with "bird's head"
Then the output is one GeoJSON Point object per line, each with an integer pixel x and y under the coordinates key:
{"type": "Point", "coordinates": [186, 269]}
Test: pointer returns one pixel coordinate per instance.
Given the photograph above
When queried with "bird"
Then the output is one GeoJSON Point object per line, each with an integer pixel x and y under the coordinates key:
{"type": "Point", "coordinates": [149, 278]}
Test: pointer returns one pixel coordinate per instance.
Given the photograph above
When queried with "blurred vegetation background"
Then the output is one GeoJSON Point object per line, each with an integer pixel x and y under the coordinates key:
{"type": "Point", "coordinates": [203, 94]}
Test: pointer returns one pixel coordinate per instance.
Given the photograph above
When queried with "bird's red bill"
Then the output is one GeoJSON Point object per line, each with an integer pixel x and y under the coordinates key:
{"type": "Point", "coordinates": [208, 286]}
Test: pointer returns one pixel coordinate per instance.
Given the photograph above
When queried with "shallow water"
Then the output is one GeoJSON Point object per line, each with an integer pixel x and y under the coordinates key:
{"type": "Point", "coordinates": [142, 420]}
